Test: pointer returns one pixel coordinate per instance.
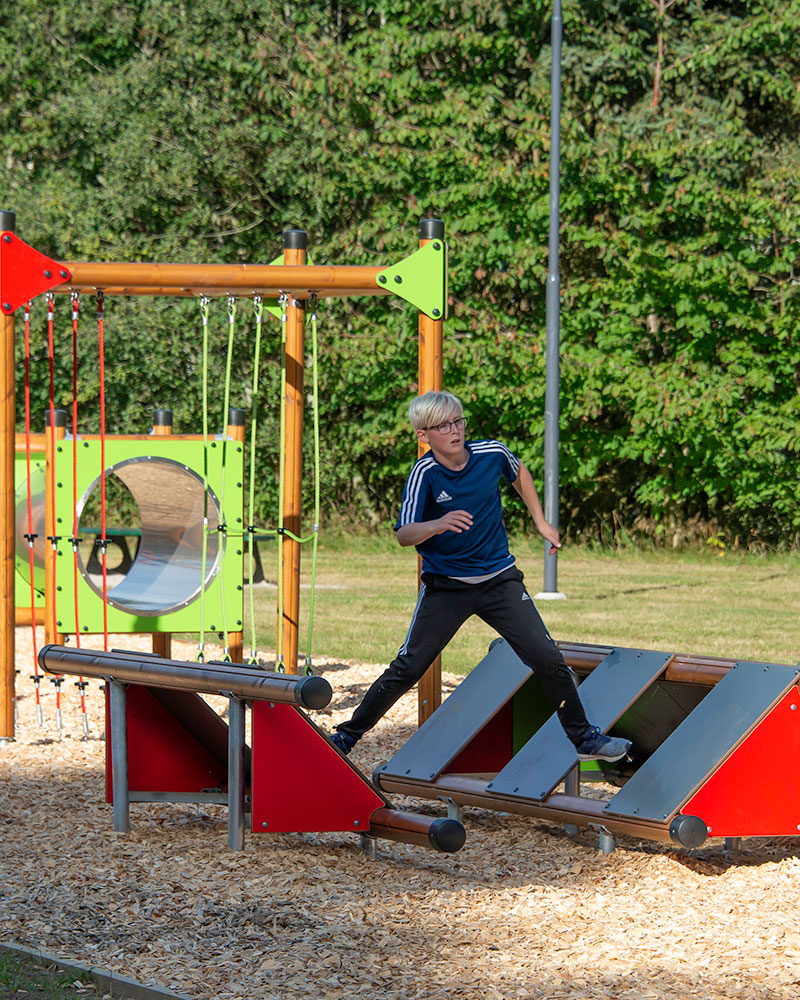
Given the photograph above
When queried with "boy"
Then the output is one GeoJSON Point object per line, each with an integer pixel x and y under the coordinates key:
{"type": "Point", "coordinates": [451, 512]}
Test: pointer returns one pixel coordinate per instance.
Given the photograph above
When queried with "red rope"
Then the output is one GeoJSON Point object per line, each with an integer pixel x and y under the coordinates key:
{"type": "Point", "coordinates": [80, 684]}
{"type": "Point", "coordinates": [75, 312]}
{"type": "Point", "coordinates": [36, 678]}
{"type": "Point", "coordinates": [103, 539]}
{"type": "Point", "coordinates": [52, 539]}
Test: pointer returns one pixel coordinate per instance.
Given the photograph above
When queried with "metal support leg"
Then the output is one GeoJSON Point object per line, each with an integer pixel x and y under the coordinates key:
{"type": "Point", "coordinates": [119, 756]}
{"type": "Point", "coordinates": [607, 842]}
{"type": "Point", "coordinates": [572, 786]}
{"type": "Point", "coordinates": [733, 843]}
{"type": "Point", "coordinates": [369, 846]}
{"type": "Point", "coordinates": [454, 810]}
{"type": "Point", "coordinates": [236, 718]}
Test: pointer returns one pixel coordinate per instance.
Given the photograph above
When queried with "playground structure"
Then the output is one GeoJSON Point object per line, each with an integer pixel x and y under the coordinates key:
{"type": "Point", "coordinates": [714, 745]}
{"type": "Point", "coordinates": [711, 736]}
{"type": "Point", "coordinates": [25, 273]}
{"type": "Point", "coordinates": [164, 743]}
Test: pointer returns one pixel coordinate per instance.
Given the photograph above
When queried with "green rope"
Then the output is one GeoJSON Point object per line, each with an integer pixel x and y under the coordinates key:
{"type": "Point", "coordinates": [279, 664]}
{"type": "Point", "coordinates": [204, 545]}
{"type": "Point", "coordinates": [315, 531]}
{"type": "Point", "coordinates": [223, 523]}
{"type": "Point", "coordinates": [258, 307]}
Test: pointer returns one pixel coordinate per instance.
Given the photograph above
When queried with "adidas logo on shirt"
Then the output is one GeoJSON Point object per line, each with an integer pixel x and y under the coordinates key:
{"type": "Point", "coordinates": [444, 497]}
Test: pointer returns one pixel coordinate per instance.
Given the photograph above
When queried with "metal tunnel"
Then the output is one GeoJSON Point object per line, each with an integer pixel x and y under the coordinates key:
{"type": "Point", "coordinates": [167, 570]}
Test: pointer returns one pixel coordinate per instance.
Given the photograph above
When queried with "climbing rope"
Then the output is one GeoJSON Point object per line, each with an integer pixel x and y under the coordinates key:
{"type": "Point", "coordinates": [31, 537]}
{"type": "Point", "coordinates": [258, 313]}
{"type": "Point", "coordinates": [103, 511]}
{"type": "Point", "coordinates": [53, 538]}
{"type": "Point", "coordinates": [222, 528]}
{"type": "Point", "coordinates": [80, 684]}
{"type": "Point", "coordinates": [204, 302]}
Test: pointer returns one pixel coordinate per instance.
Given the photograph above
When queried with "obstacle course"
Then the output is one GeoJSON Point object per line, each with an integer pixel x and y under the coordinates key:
{"type": "Point", "coordinates": [164, 743]}
{"type": "Point", "coordinates": [714, 742]}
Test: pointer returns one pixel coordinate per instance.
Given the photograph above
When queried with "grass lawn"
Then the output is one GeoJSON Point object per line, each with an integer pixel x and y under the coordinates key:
{"type": "Point", "coordinates": [737, 605]}
{"type": "Point", "coordinates": [22, 979]}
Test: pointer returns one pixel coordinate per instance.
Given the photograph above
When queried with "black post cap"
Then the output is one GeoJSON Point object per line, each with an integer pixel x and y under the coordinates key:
{"type": "Point", "coordinates": [59, 418]}
{"type": "Point", "coordinates": [295, 239]}
{"type": "Point", "coordinates": [162, 418]}
{"type": "Point", "coordinates": [236, 418]}
{"type": "Point", "coordinates": [431, 229]}
{"type": "Point", "coordinates": [8, 221]}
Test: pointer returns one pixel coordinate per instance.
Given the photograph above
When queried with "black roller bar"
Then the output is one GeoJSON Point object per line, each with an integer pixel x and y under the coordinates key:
{"type": "Point", "coordinates": [153, 671]}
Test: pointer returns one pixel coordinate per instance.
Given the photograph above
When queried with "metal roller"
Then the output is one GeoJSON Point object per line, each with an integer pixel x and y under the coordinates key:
{"type": "Point", "coordinates": [440, 833]}
{"type": "Point", "coordinates": [152, 671]}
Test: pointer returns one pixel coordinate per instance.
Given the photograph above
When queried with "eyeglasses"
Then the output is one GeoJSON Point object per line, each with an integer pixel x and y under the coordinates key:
{"type": "Point", "coordinates": [449, 425]}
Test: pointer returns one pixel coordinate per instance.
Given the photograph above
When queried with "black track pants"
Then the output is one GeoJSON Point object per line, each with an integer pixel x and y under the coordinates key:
{"type": "Point", "coordinates": [443, 605]}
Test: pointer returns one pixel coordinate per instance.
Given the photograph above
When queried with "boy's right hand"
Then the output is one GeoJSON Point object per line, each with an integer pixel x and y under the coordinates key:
{"type": "Point", "coordinates": [455, 520]}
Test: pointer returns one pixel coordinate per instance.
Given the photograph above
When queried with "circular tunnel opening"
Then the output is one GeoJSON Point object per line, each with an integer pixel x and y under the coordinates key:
{"type": "Point", "coordinates": [154, 556]}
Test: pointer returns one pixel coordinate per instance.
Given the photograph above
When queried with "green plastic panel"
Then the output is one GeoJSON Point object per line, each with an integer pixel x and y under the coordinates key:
{"type": "Point", "coordinates": [22, 577]}
{"type": "Point", "coordinates": [420, 279]}
{"type": "Point", "coordinates": [223, 601]}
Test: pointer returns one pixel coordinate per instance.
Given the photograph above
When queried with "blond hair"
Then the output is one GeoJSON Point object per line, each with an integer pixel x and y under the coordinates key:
{"type": "Point", "coordinates": [432, 408]}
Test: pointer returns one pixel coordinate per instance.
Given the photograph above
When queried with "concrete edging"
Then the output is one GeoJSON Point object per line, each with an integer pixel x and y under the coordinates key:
{"type": "Point", "coordinates": [109, 982]}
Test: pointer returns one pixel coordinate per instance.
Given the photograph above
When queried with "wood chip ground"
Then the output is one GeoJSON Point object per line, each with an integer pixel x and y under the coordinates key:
{"type": "Point", "coordinates": [522, 911]}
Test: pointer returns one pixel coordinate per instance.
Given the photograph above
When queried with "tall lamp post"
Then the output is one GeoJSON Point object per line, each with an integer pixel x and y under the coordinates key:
{"type": "Point", "coordinates": [552, 302]}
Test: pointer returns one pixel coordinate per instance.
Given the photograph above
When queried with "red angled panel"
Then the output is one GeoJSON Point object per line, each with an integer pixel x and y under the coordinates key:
{"type": "Point", "coordinates": [163, 756]}
{"type": "Point", "coordinates": [755, 792]}
{"type": "Point", "coordinates": [302, 784]}
{"type": "Point", "coordinates": [25, 273]}
{"type": "Point", "coordinates": [490, 750]}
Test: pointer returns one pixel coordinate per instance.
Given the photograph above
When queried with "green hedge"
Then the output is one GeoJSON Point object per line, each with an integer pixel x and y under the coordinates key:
{"type": "Point", "coordinates": [150, 130]}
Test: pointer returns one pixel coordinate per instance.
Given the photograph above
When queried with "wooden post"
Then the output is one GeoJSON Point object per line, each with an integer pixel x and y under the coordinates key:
{"type": "Point", "coordinates": [235, 430]}
{"type": "Point", "coordinates": [162, 427]}
{"type": "Point", "coordinates": [295, 242]}
{"type": "Point", "coordinates": [429, 689]}
{"type": "Point", "coordinates": [7, 513]}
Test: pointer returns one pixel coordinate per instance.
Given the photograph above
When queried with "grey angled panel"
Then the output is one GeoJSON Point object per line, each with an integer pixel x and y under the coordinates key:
{"type": "Point", "coordinates": [706, 737]}
{"type": "Point", "coordinates": [479, 697]}
{"type": "Point", "coordinates": [548, 756]}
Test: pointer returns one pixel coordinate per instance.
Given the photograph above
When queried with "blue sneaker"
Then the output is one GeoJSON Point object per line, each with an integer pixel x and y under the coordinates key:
{"type": "Point", "coordinates": [343, 743]}
{"type": "Point", "coordinates": [597, 746]}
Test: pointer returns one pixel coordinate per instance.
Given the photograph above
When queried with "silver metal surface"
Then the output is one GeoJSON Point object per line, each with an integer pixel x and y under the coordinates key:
{"type": "Point", "coordinates": [119, 756]}
{"type": "Point", "coordinates": [236, 727]}
{"type": "Point", "coordinates": [167, 571]}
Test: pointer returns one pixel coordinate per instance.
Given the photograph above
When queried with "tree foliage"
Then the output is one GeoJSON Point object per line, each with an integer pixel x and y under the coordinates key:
{"type": "Point", "coordinates": [158, 130]}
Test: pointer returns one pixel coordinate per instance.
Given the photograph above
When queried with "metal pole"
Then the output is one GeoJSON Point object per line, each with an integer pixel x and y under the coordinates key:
{"type": "Point", "coordinates": [7, 499]}
{"type": "Point", "coordinates": [236, 714]}
{"type": "Point", "coordinates": [119, 755]}
{"type": "Point", "coordinates": [551, 408]}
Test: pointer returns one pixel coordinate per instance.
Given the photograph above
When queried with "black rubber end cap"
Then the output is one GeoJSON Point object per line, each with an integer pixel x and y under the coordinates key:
{"type": "Point", "coordinates": [236, 418]}
{"type": "Point", "coordinates": [431, 229]}
{"type": "Point", "coordinates": [43, 653]}
{"type": "Point", "coordinates": [447, 835]}
{"type": "Point", "coordinates": [295, 239]}
{"type": "Point", "coordinates": [8, 221]}
{"type": "Point", "coordinates": [688, 831]}
{"type": "Point", "coordinates": [59, 417]}
{"type": "Point", "coordinates": [313, 692]}
{"type": "Point", "coordinates": [162, 418]}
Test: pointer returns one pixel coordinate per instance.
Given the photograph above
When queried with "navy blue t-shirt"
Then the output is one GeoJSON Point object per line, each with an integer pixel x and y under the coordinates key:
{"type": "Point", "coordinates": [432, 490]}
